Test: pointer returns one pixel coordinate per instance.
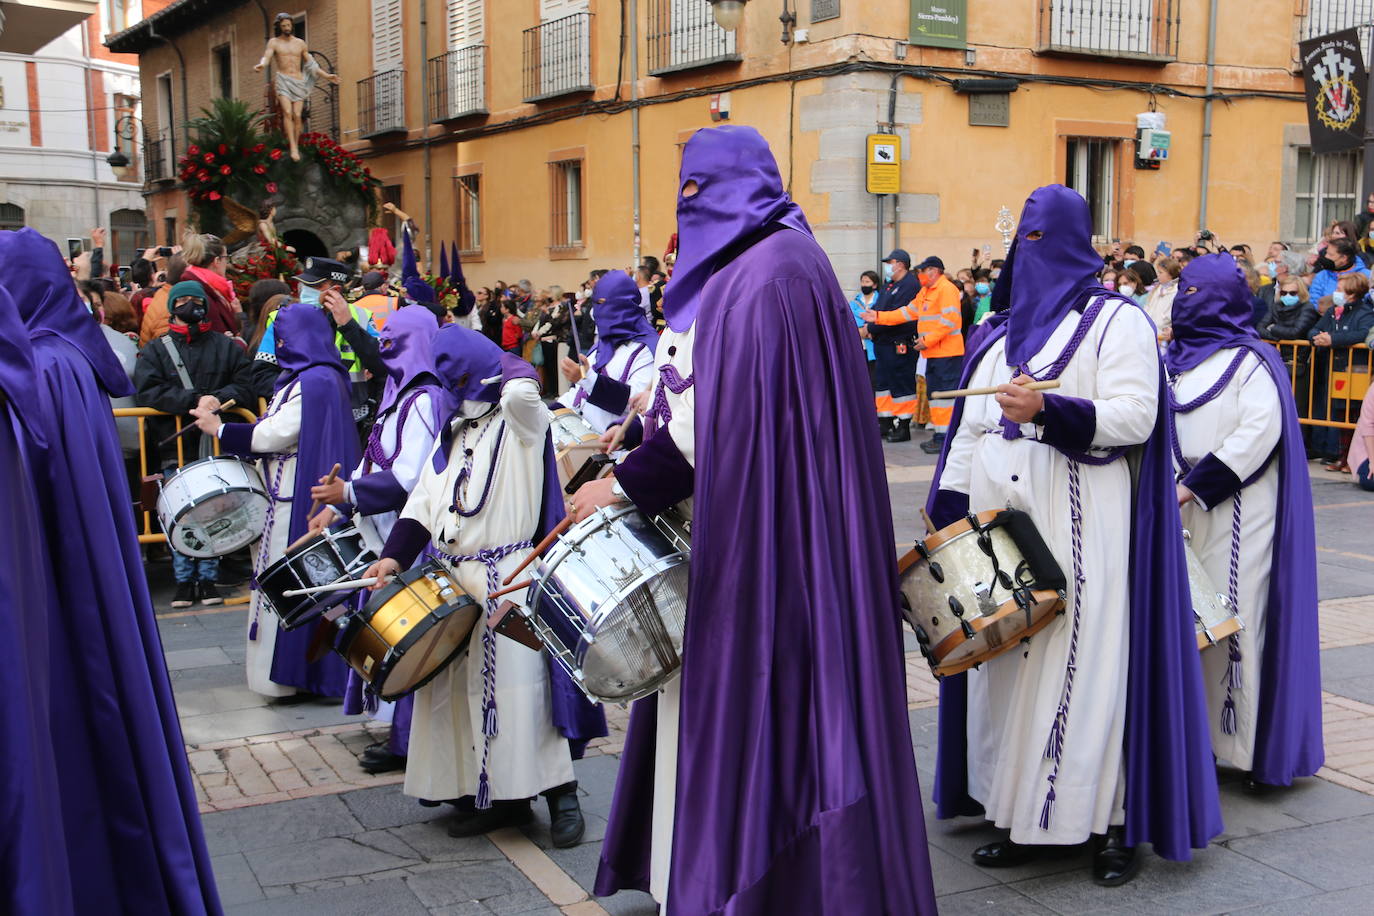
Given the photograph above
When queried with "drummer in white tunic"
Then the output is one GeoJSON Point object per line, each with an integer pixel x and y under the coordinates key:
{"type": "Point", "coordinates": [1046, 755]}
{"type": "Point", "coordinates": [622, 364]}
{"type": "Point", "coordinates": [1239, 457]}
{"type": "Point", "coordinates": [483, 734]}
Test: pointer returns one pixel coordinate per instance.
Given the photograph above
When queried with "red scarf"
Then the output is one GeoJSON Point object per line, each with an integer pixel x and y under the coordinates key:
{"type": "Point", "coordinates": [220, 293]}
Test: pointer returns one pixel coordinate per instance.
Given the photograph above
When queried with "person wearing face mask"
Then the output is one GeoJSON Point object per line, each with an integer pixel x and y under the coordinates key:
{"type": "Point", "coordinates": [982, 291]}
{"type": "Point", "coordinates": [1246, 501]}
{"type": "Point", "coordinates": [1160, 301]}
{"type": "Point", "coordinates": [863, 300]}
{"type": "Point", "coordinates": [1291, 315]}
{"type": "Point", "coordinates": [490, 489]}
{"type": "Point", "coordinates": [1130, 285]}
{"type": "Point", "coordinates": [1347, 321]}
{"type": "Point", "coordinates": [307, 428]}
{"type": "Point", "coordinates": [895, 356]}
{"type": "Point", "coordinates": [190, 366]}
{"type": "Point", "coordinates": [1339, 259]}
{"type": "Point", "coordinates": [1096, 727]}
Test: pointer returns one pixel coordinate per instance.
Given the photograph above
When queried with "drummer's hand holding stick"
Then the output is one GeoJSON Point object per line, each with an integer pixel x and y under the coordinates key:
{"type": "Point", "coordinates": [331, 491]}
{"type": "Point", "coordinates": [207, 420]}
{"type": "Point", "coordinates": [321, 521]}
{"type": "Point", "coordinates": [1019, 403]}
{"type": "Point", "coordinates": [382, 571]}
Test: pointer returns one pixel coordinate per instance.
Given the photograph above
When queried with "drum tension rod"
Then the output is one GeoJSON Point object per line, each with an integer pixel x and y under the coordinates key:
{"type": "Point", "coordinates": [937, 572]}
{"type": "Point", "coordinates": [957, 608]}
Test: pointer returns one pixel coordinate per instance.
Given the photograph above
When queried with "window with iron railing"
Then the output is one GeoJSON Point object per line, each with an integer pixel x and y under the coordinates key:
{"type": "Point", "coordinates": [11, 216]}
{"type": "Point", "coordinates": [468, 189]}
{"type": "Point", "coordinates": [458, 84]}
{"type": "Point", "coordinates": [158, 158]}
{"type": "Point", "coordinates": [1327, 16]}
{"type": "Point", "coordinates": [683, 33]}
{"type": "Point", "coordinates": [1144, 30]}
{"type": "Point", "coordinates": [558, 58]}
{"type": "Point", "coordinates": [382, 103]}
{"type": "Point", "coordinates": [567, 204]}
{"type": "Point", "coordinates": [1327, 189]}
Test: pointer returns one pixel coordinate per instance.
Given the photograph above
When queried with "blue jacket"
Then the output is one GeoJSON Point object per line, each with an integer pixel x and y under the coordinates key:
{"type": "Point", "coordinates": [1324, 283]}
{"type": "Point", "coordinates": [856, 305]}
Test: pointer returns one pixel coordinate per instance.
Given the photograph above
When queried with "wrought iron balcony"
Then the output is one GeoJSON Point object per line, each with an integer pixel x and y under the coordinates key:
{"type": "Point", "coordinates": [558, 58]}
{"type": "Point", "coordinates": [1131, 30]}
{"type": "Point", "coordinates": [382, 104]}
{"type": "Point", "coordinates": [1327, 16]}
{"type": "Point", "coordinates": [159, 160]}
{"type": "Point", "coordinates": [683, 34]}
{"type": "Point", "coordinates": [458, 84]}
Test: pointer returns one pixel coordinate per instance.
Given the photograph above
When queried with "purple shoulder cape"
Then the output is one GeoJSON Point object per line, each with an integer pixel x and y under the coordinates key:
{"type": "Point", "coordinates": [1171, 787]}
{"type": "Point", "coordinates": [797, 788]}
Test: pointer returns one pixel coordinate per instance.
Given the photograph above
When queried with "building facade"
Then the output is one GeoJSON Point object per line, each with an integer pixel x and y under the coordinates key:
{"type": "Point", "coordinates": [545, 135]}
{"type": "Point", "coordinates": [60, 110]}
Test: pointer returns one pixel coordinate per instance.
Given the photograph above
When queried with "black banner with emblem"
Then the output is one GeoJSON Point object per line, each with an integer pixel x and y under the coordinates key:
{"type": "Point", "coordinates": [1334, 73]}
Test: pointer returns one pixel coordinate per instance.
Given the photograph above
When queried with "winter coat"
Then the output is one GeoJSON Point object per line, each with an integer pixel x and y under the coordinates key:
{"type": "Point", "coordinates": [216, 364]}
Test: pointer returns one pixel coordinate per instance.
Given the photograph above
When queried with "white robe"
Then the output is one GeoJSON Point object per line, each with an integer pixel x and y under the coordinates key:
{"type": "Point", "coordinates": [1014, 697]}
{"type": "Point", "coordinates": [277, 432]}
{"type": "Point", "coordinates": [635, 357]}
{"type": "Point", "coordinates": [1241, 427]}
{"type": "Point", "coordinates": [528, 755]}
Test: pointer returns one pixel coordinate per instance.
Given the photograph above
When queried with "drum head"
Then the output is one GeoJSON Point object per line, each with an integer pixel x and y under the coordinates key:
{"type": "Point", "coordinates": [220, 524]}
{"type": "Point", "coordinates": [633, 648]}
{"type": "Point", "coordinates": [426, 650]}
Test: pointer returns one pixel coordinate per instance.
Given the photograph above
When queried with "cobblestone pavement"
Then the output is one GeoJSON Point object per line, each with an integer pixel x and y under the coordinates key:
{"type": "Point", "coordinates": [295, 826]}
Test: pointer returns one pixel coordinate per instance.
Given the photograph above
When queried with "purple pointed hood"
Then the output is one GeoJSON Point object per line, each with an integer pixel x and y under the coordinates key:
{"type": "Point", "coordinates": [466, 300]}
{"type": "Point", "coordinates": [406, 343]}
{"type": "Point", "coordinates": [739, 193]}
{"type": "Point", "coordinates": [1214, 309]}
{"type": "Point", "coordinates": [443, 261]}
{"type": "Point", "coordinates": [415, 286]}
{"type": "Point", "coordinates": [1045, 278]}
{"type": "Point", "coordinates": [17, 370]}
{"type": "Point", "coordinates": [40, 283]}
{"type": "Point", "coordinates": [304, 338]}
{"type": "Point", "coordinates": [464, 358]}
{"type": "Point", "coordinates": [619, 317]}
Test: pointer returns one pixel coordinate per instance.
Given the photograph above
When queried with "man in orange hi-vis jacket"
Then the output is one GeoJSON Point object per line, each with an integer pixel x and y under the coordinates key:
{"type": "Point", "coordinates": [940, 338]}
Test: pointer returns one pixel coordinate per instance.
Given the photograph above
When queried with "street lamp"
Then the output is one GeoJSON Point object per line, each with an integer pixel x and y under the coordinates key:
{"type": "Point", "coordinates": [728, 13]}
{"type": "Point", "coordinates": [126, 128]}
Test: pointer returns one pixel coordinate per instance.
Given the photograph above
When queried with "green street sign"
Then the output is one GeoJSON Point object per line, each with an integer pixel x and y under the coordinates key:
{"type": "Point", "coordinates": [939, 23]}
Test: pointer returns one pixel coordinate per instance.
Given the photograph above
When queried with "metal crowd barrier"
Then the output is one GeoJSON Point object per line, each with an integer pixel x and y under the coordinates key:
{"type": "Point", "coordinates": [1329, 383]}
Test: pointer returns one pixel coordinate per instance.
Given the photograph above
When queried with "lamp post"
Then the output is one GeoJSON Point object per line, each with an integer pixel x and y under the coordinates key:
{"type": "Point", "coordinates": [126, 128]}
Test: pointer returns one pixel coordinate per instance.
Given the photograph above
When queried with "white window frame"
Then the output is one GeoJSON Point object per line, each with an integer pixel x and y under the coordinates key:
{"type": "Point", "coordinates": [1103, 199]}
{"type": "Point", "coordinates": [1330, 174]}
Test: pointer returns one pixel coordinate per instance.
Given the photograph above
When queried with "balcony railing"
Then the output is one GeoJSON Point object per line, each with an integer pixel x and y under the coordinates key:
{"type": "Point", "coordinates": [159, 160]}
{"type": "Point", "coordinates": [458, 84]}
{"type": "Point", "coordinates": [1327, 16]}
{"type": "Point", "coordinates": [1140, 30]}
{"type": "Point", "coordinates": [558, 58]}
{"type": "Point", "coordinates": [382, 103]}
{"type": "Point", "coordinates": [684, 34]}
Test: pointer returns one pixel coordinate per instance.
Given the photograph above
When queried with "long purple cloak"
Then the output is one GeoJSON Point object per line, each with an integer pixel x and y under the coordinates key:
{"type": "Point", "coordinates": [132, 828]}
{"type": "Point", "coordinates": [796, 788]}
{"type": "Point", "coordinates": [1171, 787]}
{"type": "Point", "coordinates": [1288, 732]}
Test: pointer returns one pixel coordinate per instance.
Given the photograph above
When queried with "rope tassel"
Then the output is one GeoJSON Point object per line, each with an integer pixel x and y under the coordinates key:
{"type": "Point", "coordinates": [1048, 809]}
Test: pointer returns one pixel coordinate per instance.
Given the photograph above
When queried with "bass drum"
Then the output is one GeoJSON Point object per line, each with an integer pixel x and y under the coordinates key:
{"type": "Point", "coordinates": [213, 507]}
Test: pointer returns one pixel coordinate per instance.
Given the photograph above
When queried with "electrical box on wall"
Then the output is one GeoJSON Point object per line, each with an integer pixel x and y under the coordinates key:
{"type": "Point", "coordinates": [720, 106]}
{"type": "Point", "coordinates": [1152, 148]}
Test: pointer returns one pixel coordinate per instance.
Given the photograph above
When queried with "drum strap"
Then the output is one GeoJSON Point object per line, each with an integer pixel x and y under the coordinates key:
{"type": "Point", "coordinates": [1228, 709]}
{"type": "Point", "coordinates": [206, 448]}
{"type": "Point", "coordinates": [488, 557]}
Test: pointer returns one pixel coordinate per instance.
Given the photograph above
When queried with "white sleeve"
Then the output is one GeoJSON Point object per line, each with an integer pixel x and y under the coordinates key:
{"type": "Point", "coordinates": [1259, 421]}
{"type": "Point", "coordinates": [958, 471]}
{"type": "Point", "coordinates": [427, 495]}
{"type": "Point", "coordinates": [524, 410]}
{"type": "Point", "coordinates": [1127, 396]}
{"type": "Point", "coordinates": [279, 430]}
{"type": "Point", "coordinates": [643, 373]}
{"type": "Point", "coordinates": [417, 444]}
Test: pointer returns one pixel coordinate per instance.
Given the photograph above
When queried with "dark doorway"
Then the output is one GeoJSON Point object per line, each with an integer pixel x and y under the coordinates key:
{"type": "Point", "coordinates": [306, 243]}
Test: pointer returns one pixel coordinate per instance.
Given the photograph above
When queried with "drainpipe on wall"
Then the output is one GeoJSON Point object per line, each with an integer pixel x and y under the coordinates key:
{"type": "Point", "coordinates": [1207, 115]}
{"type": "Point", "coordinates": [634, 128]}
{"type": "Point", "coordinates": [90, 125]}
{"type": "Point", "coordinates": [424, 119]}
{"type": "Point", "coordinates": [896, 198]}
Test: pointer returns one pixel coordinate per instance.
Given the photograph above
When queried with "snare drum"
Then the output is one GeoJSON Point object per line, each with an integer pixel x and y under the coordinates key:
{"type": "Point", "coordinates": [409, 631]}
{"type": "Point", "coordinates": [213, 507]}
{"type": "Point", "coordinates": [574, 441]}
{"type": "Point", "coordinates": [333, 555]}
{"type": "Point", "coordinates": [611, 601]}
{"type": "Point", "coordinates": [1214, 616]}
{"type": "Point", "coordinates": [976, 588]}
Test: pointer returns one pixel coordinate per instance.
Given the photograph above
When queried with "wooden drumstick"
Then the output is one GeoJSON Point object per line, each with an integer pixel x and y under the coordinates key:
{"type": "Point", "coordinates": [620, 430]}
{"type": "Point", "coordinates": [315, 504]}
{"type": "Point", "coordinates": [973, 392]}
{"type": "Point", "coordinates": [336, 586]}
{"type": "Point", "coordinates": [540, 548]}
{"type": "Point", "coordinates": [490, 381]}
{"type": "Point", "coordinates": [930, 526]}
{"type": "Point", "coordinates": [523, 583]}
{"type": "Point", "coordinates": [186, 429]}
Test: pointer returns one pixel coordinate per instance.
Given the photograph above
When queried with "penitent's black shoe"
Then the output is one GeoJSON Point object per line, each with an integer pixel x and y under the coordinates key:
{"type": "Point", "coordinates": [565, 819]}
{"type": "Point", "coordinates": [1004, 854]}
{"type": "Point", "coordinates": [500, 814]}
{"type": "Point", "coordinates": [379, 759]}
{"type": "Point", "coordinates": [1252, 786]}
{"type": "Point", "coordinates": [1114, 863]}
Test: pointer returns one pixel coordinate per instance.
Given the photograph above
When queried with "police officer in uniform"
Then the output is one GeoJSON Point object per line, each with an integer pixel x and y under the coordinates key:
{"type": "Point", "coordinates": [894, 355]}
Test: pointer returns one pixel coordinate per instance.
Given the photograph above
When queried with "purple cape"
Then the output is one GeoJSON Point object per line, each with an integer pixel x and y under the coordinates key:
{"type": "Point", "coordinates": [1288, 733]}
{"type": "Point", "coordinates": [739, 192]}
{"type": "Point", "coordinates": [464, 359]}
{"type": "Point", "coordinates": [1171, 786]}
{"type": "Point", "coordinates": [128, 805]}
{"type": "Point", "coordinates": [619, 317]}
{"type": "Point", "coordinates": [797, 789]}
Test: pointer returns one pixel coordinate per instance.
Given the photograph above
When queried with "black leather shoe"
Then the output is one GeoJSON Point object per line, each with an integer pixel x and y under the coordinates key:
{"type": "Point", "coordinates": [934, 445]}
{"type": "Point", "coordinates": [901, 432]}
{"type": "Point", "coordinates": [377, 759]}
{"type": "Point", "coordinates": [565, 819]}
{"type": "Point", "coordinates": [1003, 854]}
{"type": "Point", "coordinates": [500, 814]}
{"type": "Point", "coordinates": [884, 426]}
{"type": "Point", "coordinates": [1252, 786]}
{"type": "Point", "coordinates": [1114, 863]}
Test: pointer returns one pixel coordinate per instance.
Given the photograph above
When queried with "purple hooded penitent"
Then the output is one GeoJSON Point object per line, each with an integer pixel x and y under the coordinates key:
{"type": "Point", "coordinates": [619, 317]}
{"type": "Point", "coordinates": [1171, 786]}
{"type": "Point", "coordinates": [411, 281]}
{"type": "Point", "coordinates": [796, 784]}
{"type": "Point", "coordinates": [308, 358]}
{"type": "Point", "coordinates": [466, 299]}
{"type": "Point", "coordinates": [406, 343]}
{"type": "Point", "coordinates": [124, 808]}
{"type": "Point", "coordinates": [1213, 312]}
{"type": "Point", "coordinates": [739, 195]}
{"type": "Point", "coordinates": [464, 359]}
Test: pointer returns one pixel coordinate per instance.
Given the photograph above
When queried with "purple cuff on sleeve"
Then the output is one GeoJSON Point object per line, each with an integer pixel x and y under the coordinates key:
{"type": "Point", "coordinates": [634, 433]}
{"type": "Point", "coordinates": [407, 539]}
{"type": "Point", "coordinates": [948, 507]}
{"type": "Point", "coordinates": [379, 492]}
{"type": "Point", "coordinates": [1212, 481]}
{"type": "Point", "coordinates": [608, 394]}
{"type": "Point", "coordinates": [1069, 422]}
{"type": "Point", "coordinates": [237, 439]}
{"type": "Point", "coordinates": [655, 476]}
